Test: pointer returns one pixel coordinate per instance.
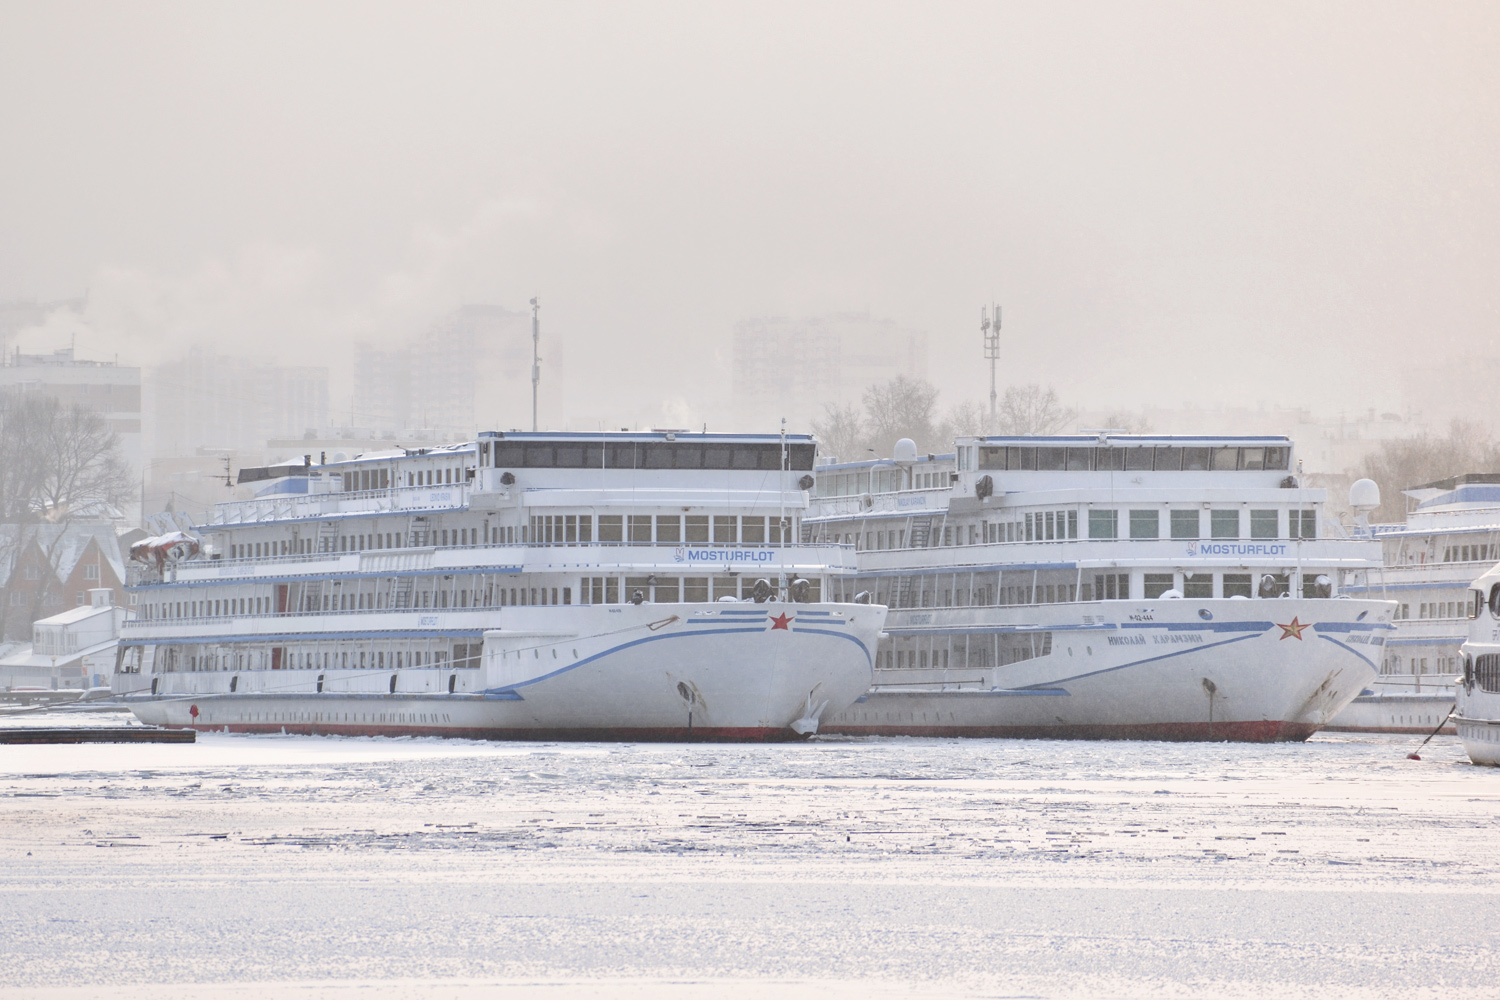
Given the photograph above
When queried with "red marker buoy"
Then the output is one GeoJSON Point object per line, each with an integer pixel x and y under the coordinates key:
{"type": "Point", "coordinates": [1412, 756]}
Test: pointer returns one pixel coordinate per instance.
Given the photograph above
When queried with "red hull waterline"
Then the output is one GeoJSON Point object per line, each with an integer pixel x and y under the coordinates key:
{"type": "Point", "coordinates": [662, 734]}
{"type": "Point", "coordinates": [1265, 731]}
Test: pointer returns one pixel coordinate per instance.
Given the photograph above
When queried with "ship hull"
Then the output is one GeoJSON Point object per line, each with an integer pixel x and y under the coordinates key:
{"type": "Point", "coordinates": [1477, 720]}
{"type": "Point", "coordinates": [619, 672]}
{"type": "Point", "coordinates": [1395, 712]}
{"type": "Point", "coordinates": [1223, 670]}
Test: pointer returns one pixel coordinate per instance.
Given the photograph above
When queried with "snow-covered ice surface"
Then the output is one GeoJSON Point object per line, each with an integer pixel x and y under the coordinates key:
{"type": "Point", "coordinates": [254, 867]}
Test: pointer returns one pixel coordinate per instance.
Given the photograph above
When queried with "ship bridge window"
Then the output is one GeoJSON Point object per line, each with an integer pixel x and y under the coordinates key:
{"type": "Point", "coordinates": [1080, 459]}
{"type": "Point", "coordinates": [1168, 458]}
{"type": "Point", "coordinates": [1252, 458]}
{"type": "Point", "coordinates": [1138, 459]}
{"type": "Point", "coordinates": [1263, 524]}
{"type": "Point", "coordinates": [569, 456]}
{"type": "Point", "coordinates": [658, 456]}
{"type": "Point", "coordinates": [1022, 459]}
{"type": "Point", "coordinates": [1051, 459]}
{"type": "Point", "coordinates": [1198, 585]}
{"type": "Point", "coordinates": [1277, 458]}
{"type": "Point", "coordinates": [1109, 459]}
{"type": "Point", "coordinates": [1487, 672]}
{"type": "Point", "coordinates": [1236, 584]}
{"type": "Point", "coordinates": [1157, 584]}
{"type": "Point", "coordinates": [1194, 459]}
{"type": "Point", "coordinates": [992, 459]}
{"type": "Point", "coordinates": [1104, 524]}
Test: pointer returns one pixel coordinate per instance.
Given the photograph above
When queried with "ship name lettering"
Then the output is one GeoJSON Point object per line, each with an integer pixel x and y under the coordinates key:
{"type": "Point", "coordinates": [1126, 640]}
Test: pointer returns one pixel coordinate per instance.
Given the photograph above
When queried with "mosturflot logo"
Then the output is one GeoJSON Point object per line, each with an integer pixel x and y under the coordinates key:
{"type": "Point", "coordinates": [1235, 549]}
{"type": "Point", "coordinates": [705, 555]}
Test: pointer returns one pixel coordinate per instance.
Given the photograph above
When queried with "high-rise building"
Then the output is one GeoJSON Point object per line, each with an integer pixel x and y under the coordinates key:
{"type": "Point", "coordinates": [112, 390]}
{"type": "Point", "coordinates": [236, 404]}
{"type": "Point", "coordinates": [447, 382]}
{"type": "Point", "coordinates": [791, 368]}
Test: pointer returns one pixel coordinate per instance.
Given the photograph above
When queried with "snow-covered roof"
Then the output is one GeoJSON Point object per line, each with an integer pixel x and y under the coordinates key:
{"type": "Point", "coordinates": [65, 543]}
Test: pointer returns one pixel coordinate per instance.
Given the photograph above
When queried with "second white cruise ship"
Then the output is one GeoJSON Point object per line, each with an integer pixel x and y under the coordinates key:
{"type": "Point", "coordinates": [1102, 586]}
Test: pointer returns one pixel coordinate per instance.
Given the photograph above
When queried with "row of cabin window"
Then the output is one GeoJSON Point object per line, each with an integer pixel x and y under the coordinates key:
{"type": "Point", "coordinates": [356, 480]}
{"type": "Point", "coordinates": [964, 652]}
{"type": "Point", "coordinates": [375, 594]}
{"type": "Point", "coordinates": [1421, 665]}
{"type": "Point", "coordinates": [1148, 458]}
{"type": "Point", "coordinates": [673, 590]}
{"type": "Point", "coordinates": [1063, 524]}
{"type": "Point", "coordinates": [646, 455]}
{"type": "Point", "coordinates": [439, 477]}
{"type": "Point", "coordinates": [1188, 524]}
{"type": "Point", "coordinates": [441, 653]}
{"type": "Point", "coordinates": [1439, 609]}
{"type": "Point", "coordinates": [1471, 553]}
{"type": "Point", "coordinates": [660, 529]}
{"type": "Point", "coordinates": [879, 480]}
{"type": "Point", "coordinates": [951, 590]}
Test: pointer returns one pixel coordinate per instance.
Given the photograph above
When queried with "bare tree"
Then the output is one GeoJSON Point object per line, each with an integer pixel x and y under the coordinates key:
{"type": "Point", "coordinates": [56, 464]}
{"type": "Point", "coordinates": [1030, 409]}
{"type": "Point", "coordinates": [1130, 423]}
{"type": "Point", "coordinates": [1401, 465]}
{"type": "Point", "coordinates": [967, 419]}
{"type": "Point", "coordinates": [841, 432]}
{"type": "Point", "coordinates": [902, 407]}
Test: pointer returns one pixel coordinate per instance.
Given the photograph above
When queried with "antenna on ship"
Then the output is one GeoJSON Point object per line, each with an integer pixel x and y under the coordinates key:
{"type": "Point", "coordinates": [536, 361]}
{"type": "Point", "coordinates": [989, 326]}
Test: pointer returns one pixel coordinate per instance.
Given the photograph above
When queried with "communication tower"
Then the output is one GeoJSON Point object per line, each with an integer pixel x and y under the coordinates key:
{"type": "Point", "coordinates": [989, 325]}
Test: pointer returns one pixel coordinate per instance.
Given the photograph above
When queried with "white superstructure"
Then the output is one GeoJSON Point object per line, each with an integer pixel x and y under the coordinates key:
{"type": "Point", "coordinates": [632, 586]}
{"type": "Point", "coordinates": [1427, 565]}
{"type": "Point", "coordinates": [1132, 586]}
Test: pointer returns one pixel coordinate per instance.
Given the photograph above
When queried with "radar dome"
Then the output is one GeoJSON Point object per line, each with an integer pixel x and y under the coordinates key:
{"type": "Point", "coordinates": [906, 450]}
{"type": "Point", "coordinates": [1364, 495]}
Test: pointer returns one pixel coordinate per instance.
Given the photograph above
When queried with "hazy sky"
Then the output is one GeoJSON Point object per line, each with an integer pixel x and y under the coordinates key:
{"type": "Point", "coordinates": [1187, 201]}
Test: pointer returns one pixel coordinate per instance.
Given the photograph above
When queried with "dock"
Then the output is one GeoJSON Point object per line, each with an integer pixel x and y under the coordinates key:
{"type": "Point", "coordinates": [98, 734]}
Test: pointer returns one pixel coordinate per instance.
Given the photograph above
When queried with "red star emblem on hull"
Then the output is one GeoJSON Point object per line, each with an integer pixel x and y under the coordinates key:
{"type": "Point", "coordinates": [781, 621]}
{"type": "Point", "coordinates": [1292, 631]}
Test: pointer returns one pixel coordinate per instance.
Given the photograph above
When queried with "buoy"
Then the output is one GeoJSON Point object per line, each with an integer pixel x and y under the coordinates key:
{"type": "Point", "coordinates": [1412, 756]}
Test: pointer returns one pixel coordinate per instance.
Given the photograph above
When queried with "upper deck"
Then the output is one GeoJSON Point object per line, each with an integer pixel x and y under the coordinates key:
{"type": "Point", "coordinates": [1068, 468]}
{"type": "Point", "coordinates": [536, 470]}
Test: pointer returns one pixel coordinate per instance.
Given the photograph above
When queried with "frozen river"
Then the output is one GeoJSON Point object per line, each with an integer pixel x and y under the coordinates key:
{"type": "Point", "coordinates": [304, 866]}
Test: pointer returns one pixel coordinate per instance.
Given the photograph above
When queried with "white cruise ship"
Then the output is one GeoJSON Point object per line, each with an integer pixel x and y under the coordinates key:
{"type": "Point", "coordinates": [1428, 563]}
{"type": "Point", "coordinates": [1102, 586]}
{"type": "Point", "coordinates": [1477, 703]}
{"type": "Point", "coordinates": [526, 585]}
